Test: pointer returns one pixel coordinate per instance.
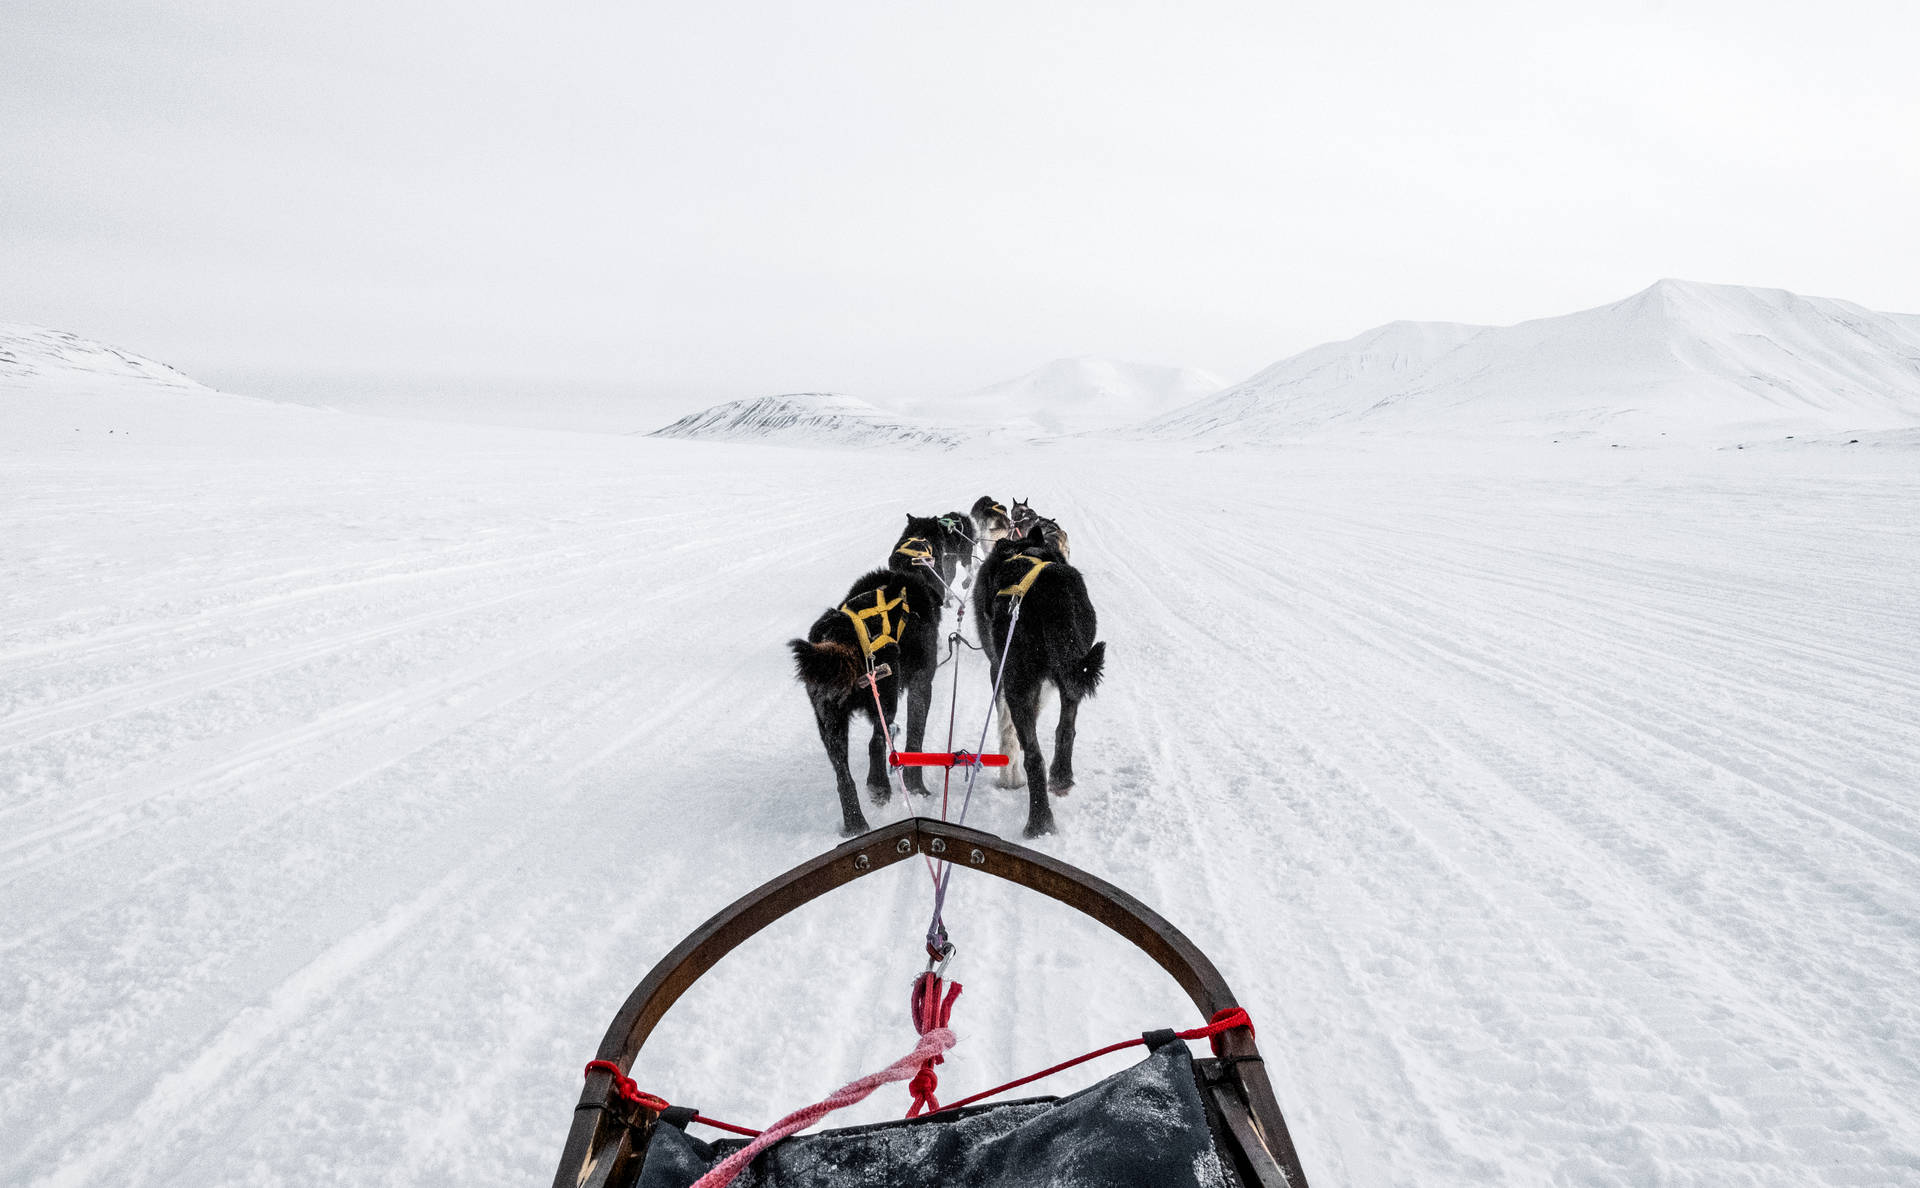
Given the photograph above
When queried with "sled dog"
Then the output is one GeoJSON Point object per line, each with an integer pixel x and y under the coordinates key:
{"type": "Point", "coordinates": [991, 521]}
{"type": "Point", "coordinates": [1025, 519]}
{"type": "Point", "coordinates": [1052, 645]}
{"type": "Point", "coordinates": [888, 626]}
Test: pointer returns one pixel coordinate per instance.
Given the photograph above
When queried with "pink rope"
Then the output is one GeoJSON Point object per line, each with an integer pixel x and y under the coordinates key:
{"type": "Point", "coordinates": [931, 1045]}
{"type": "Point", "coordinates": [873, 682]}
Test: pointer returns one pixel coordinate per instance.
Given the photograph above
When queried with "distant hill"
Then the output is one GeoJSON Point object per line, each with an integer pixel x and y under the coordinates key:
{"type": "Point", "coordinates": [38, 355]}
{"type": "Point", "coordinates": [1065, 396]}
{"type": "Point", "coordinates": [1073, 395]}
{"type": "Point", "coordinates": [807, 418]}
{"type": "Point", "coordinates": [1333, 383]}
{"type": "Point", "coordinates": [1678, 357]}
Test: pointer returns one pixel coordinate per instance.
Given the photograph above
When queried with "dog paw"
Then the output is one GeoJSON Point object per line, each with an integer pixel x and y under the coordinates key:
{"type": "Point", "coordinates": [1059, 786]}
{"type": "Point", "coordinates": [1012, 777]}
{"type": "Point", "coordinates": [879, 793]}
{"type": "Point", "coordinates": [853, 828]}
{"type": "Point", "coordinates": [1039, 827]}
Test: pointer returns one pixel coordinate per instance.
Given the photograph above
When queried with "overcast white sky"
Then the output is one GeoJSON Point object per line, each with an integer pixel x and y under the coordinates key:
{"type": "Point", "coordinates": [710, 200]}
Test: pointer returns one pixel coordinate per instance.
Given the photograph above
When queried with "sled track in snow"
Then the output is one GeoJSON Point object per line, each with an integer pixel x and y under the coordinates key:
{"type": "Point", "coordinates": [1558, 827]}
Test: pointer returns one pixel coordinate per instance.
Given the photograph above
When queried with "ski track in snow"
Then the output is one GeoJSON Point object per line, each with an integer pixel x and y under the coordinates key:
{"type": "Point", "coordinates": [1556, 820]}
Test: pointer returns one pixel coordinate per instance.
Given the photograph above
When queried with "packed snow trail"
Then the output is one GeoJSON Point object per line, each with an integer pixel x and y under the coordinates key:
{"type": "Point", "coordinates": [1554, 813]}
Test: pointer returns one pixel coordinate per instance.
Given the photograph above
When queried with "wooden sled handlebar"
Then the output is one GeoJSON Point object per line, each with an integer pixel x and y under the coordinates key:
{"type": "Point", "coordinates": [599, 1146]}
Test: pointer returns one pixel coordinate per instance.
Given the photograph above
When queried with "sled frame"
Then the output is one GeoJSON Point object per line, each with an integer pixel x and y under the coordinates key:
{"type": "Point", "coordinates": [609, 1133]}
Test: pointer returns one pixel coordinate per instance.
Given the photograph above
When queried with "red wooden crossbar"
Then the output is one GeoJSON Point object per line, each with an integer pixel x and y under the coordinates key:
{"type": "Point", "coordinates": [944, 759]}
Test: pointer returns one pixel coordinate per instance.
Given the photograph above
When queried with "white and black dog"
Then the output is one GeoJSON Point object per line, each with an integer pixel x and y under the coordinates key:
{"type": "Point", "coordinates": [890, 618]}
{"type": "Point", "coordinates": [1052, 644]}
{"type": "Point", "coordinates": [991, 521]}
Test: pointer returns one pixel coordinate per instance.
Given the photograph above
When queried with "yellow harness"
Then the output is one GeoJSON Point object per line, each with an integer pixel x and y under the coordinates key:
{"type": "Point", "coordinates": [890, 632]}
{"type": "Point", "coordinates": [916, 549]}
{"type": "Point", "coordinates": [1019, 589]}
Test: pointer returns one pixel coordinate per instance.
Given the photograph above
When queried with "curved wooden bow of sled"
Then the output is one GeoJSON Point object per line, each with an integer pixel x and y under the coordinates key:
{"type": "Point", "coordinates": [602, 1142]}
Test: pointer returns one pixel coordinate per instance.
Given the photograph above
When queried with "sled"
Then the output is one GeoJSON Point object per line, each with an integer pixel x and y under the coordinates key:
{"type": "Point", "coordinates": [1169, 1119]}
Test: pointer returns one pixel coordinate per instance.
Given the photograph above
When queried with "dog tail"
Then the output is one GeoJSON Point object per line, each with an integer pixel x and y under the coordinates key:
{"type": "Point", "coordinates": [1084, 674]}
{"type": "Point", "coordinates": [825, 665]}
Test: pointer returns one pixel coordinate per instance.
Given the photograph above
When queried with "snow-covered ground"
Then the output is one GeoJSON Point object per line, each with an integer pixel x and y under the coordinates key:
{"type": "Point", "coordinates": [1554, 809]}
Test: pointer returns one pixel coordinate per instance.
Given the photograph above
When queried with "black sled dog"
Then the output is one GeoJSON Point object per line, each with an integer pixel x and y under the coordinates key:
{"type": "Point", "coordinates": [938, 544]}
{"type": "Point", "coordinates": [1052, 644]}
{"type": "Point", "coordinates": [929, 563]}
{"type": "Point", "coordinates": [890, 619]}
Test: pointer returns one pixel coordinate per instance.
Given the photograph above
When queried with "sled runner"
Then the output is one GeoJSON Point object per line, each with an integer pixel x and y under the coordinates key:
{"type": "Point", "coordinates": [1168, 1121]}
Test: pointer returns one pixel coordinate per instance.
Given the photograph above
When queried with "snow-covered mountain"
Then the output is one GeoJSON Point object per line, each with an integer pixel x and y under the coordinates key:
{"type": "Point", "coordinates": [1332, 383]}
{"type": "Point", "coordinates": [1064, 396]}
{"type": "Point", "coordinates": [1677, 357]}
{"type": "Point", "coordinates": [54, 357]}
{"type": "Point", "coordinates": [1073, 395]}
{"type": "Point", "coordinates": [807, 418]}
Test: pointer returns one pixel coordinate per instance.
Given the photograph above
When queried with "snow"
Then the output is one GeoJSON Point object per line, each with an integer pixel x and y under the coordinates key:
{"type": "Point", "coordinates": [1554, 809]}
{"type": "Point", "coordinates": [1703, 361]}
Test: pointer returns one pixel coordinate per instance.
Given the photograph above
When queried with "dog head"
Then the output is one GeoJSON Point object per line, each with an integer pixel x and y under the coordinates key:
{"type": "Point", "coordinates": [1022, 516]}
{"type": "Point", "coordinates": [991, 520]}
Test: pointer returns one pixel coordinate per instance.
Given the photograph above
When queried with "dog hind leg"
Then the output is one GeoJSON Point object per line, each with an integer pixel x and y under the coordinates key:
{"type": "Point", "coordinates": [833, 719]}
{"type": "Point", "coordinates": [1026, 713]}
{"type": "Point", "coordinates": [1013, 775]}
{"type": "Point", "coordinates": [1060, 775]}
{"type": "Point", "coordinates": [879, 788]}
{"type": "Point", "coordinates": [919, 706]}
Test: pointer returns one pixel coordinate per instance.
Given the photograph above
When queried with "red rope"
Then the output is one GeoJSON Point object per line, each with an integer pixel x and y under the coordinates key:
{"type": "Point", "coordinates": [624, 1087]}
{"type": "Point", "coordinates": [930, 1011]}
{"type": "Point", "coordinates": [1223, 1020]}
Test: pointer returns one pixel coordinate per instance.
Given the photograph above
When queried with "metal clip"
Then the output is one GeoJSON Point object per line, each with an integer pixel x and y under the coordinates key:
{"type": "Point", "coordinates": [937, 966]}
